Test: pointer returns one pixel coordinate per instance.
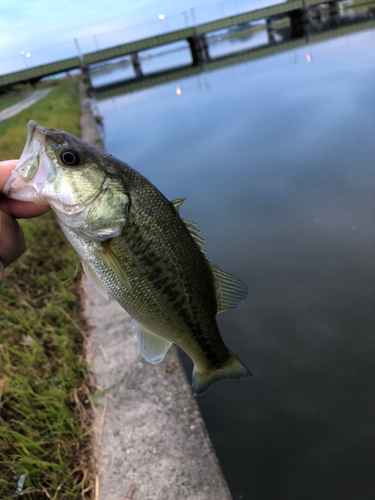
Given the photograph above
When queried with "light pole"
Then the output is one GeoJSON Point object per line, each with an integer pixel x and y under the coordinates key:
{"type": "Point", "coordinates": [24, 58]}
{"type": "Point", "coordinates": [192, 12]}
{"type": "Point", "coordinates": [162, 18]}
{"type": "Point", "coordinates": [96, 42]}
{"type": "Point", "coordinates": [28, 55]}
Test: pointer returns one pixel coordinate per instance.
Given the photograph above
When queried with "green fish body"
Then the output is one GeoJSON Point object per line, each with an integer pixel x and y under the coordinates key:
{"type": "Point", "coordinates": [134, 245]}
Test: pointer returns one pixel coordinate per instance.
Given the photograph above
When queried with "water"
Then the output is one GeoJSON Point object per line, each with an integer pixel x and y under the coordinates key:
{"type": "Point", "coordinates": [276, 159]}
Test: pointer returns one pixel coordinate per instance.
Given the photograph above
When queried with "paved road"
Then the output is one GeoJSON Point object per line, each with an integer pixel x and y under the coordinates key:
{"type": "Point", "coordinates": [25, 103]}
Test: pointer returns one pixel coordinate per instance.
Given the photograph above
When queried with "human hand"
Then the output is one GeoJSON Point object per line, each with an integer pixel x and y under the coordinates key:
{"type": "Point", "coordinates": [12, 241]}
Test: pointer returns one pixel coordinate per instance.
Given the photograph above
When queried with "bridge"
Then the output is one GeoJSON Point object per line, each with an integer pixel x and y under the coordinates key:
{"type": "Point", "coordinates": [297, 10]}
{"type": "Point", "coordinates": [136, 84]}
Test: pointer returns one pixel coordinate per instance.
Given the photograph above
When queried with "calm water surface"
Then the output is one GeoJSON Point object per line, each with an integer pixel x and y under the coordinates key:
{"type": "Point", "coordinates": [277, 161]}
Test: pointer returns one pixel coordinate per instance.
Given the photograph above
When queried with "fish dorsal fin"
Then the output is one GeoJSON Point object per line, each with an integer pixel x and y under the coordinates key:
{"type": "Point", "coordinates": [94, 280]}
{"type": "Point", "coordinates": [192, 227]}
{"type": "Point", "coordinates": [231, 292]}
{"type": "Point", "coordinates": [153, 347]}
{"type": "Point", "coordinates": [110, 258]}
{"type": "Point", "coordinates": [177, 203]}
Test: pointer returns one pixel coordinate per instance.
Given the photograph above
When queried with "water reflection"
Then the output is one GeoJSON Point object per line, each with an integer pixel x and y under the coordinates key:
{"type": "Point", "coordinates": [247, 41]}
{"type": "Point", "coordinates": [276, 158]}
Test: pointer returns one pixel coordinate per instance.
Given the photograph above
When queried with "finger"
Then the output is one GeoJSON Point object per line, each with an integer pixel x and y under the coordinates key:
{"type": "Point", "coordinates": [16, 208]}
{"type": "Point", "coordinates": [22, 209]}
{"type": "Point", "coordinates": [1, 273]}
{"type": "Point", "coordinates": [6, 168]}
{"type": "Point", "coordinates": [11, 238]}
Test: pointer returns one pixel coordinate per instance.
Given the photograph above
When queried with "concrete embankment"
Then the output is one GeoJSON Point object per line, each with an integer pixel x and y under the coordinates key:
{"type": "Point", "coordinates": [149, 431]}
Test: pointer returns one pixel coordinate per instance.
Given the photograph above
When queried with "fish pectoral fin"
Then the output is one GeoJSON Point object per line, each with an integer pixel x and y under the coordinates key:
{"type": "Point", "coordinates": [110, 258]}
{"type": "Point", "coordinates": [153, 347]}
{"type": "Point", "coordinates": [231, 292]}
{"type": "Point", "coordinates": [94, 280]}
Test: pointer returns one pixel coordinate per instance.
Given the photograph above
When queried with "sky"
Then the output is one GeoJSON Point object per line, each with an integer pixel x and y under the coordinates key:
{"type": "Point", "coordinates": [46, 30]}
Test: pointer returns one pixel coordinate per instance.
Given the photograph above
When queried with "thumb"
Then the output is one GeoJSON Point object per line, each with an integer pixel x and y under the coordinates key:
{"type": "Point", "coordinates": [6, 168]}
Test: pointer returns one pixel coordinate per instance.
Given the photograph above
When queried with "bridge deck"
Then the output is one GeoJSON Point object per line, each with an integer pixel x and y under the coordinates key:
{"type": "Point", "coordinates": [38, 72]}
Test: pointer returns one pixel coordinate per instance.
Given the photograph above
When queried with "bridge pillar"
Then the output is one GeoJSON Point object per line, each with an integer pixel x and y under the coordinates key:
{"type": "Point", "coordinates": [199, 49]}
{"type": "Point", "coordinates": [204, 45]}
{"type": "Point", "coordinates": [316, 17]}
{"type": "Point", "coordinates": [270, 30]}
{"type": "Point", "coordinates": [299, 23]}
{"type": "Point", "coordinates": [334, 13]}
{"type": "Point", "coordinates": [136, 65]}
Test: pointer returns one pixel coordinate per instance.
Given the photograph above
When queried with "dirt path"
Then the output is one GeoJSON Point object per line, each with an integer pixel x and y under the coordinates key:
{"type": "Point", "coordinates": [25, 103]}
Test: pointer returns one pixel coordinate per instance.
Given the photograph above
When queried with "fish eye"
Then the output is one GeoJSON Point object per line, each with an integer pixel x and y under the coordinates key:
{"type": "Point", "coordinates": [70, 157]}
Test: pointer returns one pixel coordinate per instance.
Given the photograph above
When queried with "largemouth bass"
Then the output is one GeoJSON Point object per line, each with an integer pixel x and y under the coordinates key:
{"type": "Point", "coordinates": [135, 246]}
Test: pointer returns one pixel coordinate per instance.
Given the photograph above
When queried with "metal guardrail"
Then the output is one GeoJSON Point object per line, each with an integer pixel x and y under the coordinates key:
{"type": "Point", "coordinates": [241, 57]}
{"type": "Point", "coordinates": [151, 42]}
{"type": "Point", "coordinates": [40, 71]}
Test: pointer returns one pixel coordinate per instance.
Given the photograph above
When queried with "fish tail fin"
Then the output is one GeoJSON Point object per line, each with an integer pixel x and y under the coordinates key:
{"type": "Point", "coordinates": [231, 370]}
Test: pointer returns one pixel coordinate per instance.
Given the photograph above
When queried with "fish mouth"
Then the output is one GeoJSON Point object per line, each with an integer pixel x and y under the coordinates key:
{"type": "Point", "coordinates": [33, 169]}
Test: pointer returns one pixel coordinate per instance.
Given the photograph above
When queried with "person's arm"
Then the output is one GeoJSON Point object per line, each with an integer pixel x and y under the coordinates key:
{"type": "Point", "coordinates": [12, 242]}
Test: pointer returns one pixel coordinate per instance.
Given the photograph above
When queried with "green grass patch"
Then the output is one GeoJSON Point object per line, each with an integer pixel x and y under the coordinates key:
{"type": "Point", "coordinates": [6, 102]}
{"type": "Point", "coordinates": [58, 109]}
{"type": "Point", "coordinates": [45, 387]}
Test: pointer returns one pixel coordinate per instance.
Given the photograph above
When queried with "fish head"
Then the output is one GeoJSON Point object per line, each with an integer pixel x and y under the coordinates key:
{"type": "Point", "coordinates": [74, 178]}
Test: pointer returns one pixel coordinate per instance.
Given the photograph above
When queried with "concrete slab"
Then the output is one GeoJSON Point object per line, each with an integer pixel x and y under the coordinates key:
{"type": "Point", "coordinates": [149, 428]}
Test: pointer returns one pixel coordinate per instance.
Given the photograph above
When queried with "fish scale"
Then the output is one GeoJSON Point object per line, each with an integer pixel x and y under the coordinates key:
{"type": "Point", "coordinates": [135, 246]}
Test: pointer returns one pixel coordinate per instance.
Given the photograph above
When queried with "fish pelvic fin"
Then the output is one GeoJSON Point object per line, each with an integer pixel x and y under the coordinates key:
{"type": "Point", "coordinates": [234, 369]}
{"type": "Point", "coordinates": [153, 347]}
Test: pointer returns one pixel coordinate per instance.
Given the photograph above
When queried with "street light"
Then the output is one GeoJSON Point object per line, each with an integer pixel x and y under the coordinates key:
{"type": "Point", "coordinates": [28, 55]}
{"type": "Point", "coordinates": [164, 22]}
{"type": "Point", "coordinates": [24, 58]}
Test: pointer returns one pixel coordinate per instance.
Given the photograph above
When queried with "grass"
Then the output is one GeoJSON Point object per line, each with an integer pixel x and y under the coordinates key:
{"type": "Point", "coordinates": [59, 109]}
{"type": "Point", "coordinates": [8, 97]}
{"type": "Point", "coordinates": [6, 102]}
{"type": "Point", "coordinates": [45, 388]}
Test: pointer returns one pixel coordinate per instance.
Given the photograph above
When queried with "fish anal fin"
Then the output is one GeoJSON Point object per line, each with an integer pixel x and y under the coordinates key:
{"type": "Point", "coordinates": [231, 292]}
{"type": "Point", "coordinates": [177, 203]}
{"type": "Point", "coordinates": [94, 280]}
{"type": "Point", "coordinates": [153, 347]}
{"type": "Point", "coordinates": [233, 369]}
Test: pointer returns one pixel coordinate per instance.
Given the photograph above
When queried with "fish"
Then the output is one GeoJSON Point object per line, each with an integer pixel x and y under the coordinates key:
{"type": "Point", "coordinates": [134, 246]}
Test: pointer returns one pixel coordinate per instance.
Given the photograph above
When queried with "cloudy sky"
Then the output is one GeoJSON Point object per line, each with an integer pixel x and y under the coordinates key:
{"type": "Point", "coordinates": [46, 29]}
